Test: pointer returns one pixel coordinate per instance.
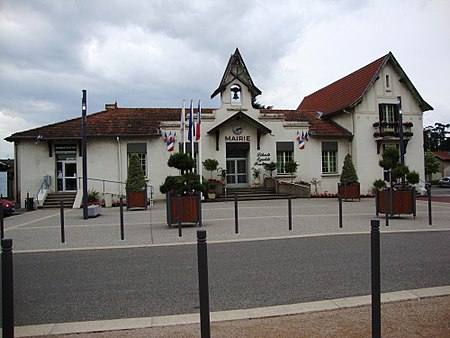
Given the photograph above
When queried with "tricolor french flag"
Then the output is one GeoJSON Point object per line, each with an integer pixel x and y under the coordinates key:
{"type": "Point", "coordinates": [199, 121]}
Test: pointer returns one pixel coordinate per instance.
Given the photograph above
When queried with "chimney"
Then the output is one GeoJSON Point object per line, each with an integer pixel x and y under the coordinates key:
{"type": "Point", "coordinates": [109, 106]}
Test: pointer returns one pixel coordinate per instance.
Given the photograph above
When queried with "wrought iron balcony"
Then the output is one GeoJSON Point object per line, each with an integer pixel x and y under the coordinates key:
{"type": "Point", "coordinates": [391, 130]}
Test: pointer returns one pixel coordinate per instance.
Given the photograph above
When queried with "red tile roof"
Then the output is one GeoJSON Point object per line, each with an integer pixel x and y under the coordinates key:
{"type": "Point", "coordinates": [442, 155]}
{"type": "Point", "coordinates": [350, 90]}
{"type": "Point", "coordinates": [145, 122]}
{"type": "Point", "coordinates": [317, 126]}
{"type": "Point", "coordinates": [343, 93]}
{"type": "Point", "coordinates": [112, 122]}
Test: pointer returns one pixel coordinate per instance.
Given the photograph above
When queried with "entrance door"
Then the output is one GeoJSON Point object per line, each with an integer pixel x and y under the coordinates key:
{"type": "Point", "coordinates": [67, 175]}
{"type": "Point", "coordinates": [237, 172]}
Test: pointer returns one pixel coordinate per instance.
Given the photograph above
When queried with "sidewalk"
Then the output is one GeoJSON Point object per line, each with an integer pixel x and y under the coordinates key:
{"type": "Point", "coordinates": [411, 314]}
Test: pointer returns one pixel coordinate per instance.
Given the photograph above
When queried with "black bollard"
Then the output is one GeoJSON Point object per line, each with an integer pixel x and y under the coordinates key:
{"type": "Point", "coordinates": [61, 216]}
{"type": "Point", "coordinates": [7, 289]}
{"type": "Point", "coordinates": [376, 279]}
{"type": "Point", "coordinates": [2, 223]}
{"type": "Point", "coordinates": [122, 230]}
{"type": "Point", "coordinates": [340, 211]}
{"type": "Point", "coordinates": [236, 215]}
{"type": "Point", "coordinates": [290, 213]}
{"type": "Point", "coordinates": [430, 218]}
{"type": "Point", "coordinates": [387, 195]}
{"type": "Point", "coordinates": [203, 288]}
{"type": "Point", "coordinates": [180, 229]}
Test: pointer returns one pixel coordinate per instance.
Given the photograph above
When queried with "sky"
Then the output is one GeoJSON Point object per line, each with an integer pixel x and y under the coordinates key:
{"type": "Point", "coordinates": [156, 53]}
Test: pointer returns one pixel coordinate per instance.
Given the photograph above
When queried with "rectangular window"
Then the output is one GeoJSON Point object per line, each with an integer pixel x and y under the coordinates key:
{"type": "Point", "coordinates": [141, 150]}
{"type": "Point", "coordinates": [388, 112]}
{"type": "Point", "coordinates": [329, 157]}
{"type": "Point", "coordinates": [285, 153]}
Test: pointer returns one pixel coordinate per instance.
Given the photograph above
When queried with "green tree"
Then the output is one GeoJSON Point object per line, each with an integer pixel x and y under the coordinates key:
{"type": "Point", "coordinates": [431, 164]}
{"type": "Point", "coordinates": [136, 177]}
{"type": "Point", "coordinates": [348, 174]}
{"type": "Point", "coordinates": [437, 137]}
{"type": "Point", "coordinates": [210, 165]}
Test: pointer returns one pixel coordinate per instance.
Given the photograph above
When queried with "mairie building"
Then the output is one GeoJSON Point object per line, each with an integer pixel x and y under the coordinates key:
{"type": "Point", "coordinates": [358, 115]}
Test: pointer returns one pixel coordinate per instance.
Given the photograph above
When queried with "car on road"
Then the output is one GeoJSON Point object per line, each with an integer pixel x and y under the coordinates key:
{"type": "Point", "coordinates": [444, 182]}
{"type": "Point", "coordinates": [8, 207]}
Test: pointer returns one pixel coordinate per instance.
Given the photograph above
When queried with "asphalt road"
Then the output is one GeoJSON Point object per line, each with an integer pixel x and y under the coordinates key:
{"type": "Point", "coordinates": [86, 285]}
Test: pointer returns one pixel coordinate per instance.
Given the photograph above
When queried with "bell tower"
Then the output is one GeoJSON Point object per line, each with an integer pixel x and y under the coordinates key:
{"type": "Point", "coordinates": [236, 88]}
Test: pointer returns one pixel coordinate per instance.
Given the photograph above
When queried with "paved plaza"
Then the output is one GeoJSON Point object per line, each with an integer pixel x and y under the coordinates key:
{"type": "Point", "coordinates": [258, 220]}
{"type": "Point", "coordinates": [40, 230]}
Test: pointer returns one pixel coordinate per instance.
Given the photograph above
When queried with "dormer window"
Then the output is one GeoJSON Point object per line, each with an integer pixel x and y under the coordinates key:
{"type": "Point", "coordinates": [235, 94]}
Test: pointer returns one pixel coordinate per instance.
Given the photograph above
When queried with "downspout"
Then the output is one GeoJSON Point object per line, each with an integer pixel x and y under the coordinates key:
{"type": "Point", "coordinates": [119, 154]}
{"type": "Point", "coordinates": [352, 119]}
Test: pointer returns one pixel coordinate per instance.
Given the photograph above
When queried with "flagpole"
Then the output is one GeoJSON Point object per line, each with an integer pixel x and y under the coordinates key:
{"type": "Point", "coordinates": [200, 166]}
{"type": "Point", "coordinates": [182, 128]}
{"type": "Point", "coordinates": [191, 120]}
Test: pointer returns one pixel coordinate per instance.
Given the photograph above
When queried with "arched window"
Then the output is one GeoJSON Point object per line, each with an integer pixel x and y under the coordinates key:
{"type": "Point", "coordinates": [235, 94]}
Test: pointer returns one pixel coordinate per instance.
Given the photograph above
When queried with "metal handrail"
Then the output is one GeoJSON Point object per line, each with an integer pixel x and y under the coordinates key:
{"type": "Point", "coordinates": [44, 182]}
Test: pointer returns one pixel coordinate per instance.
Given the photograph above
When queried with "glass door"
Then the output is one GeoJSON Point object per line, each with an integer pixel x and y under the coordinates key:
{"type": "Point", "coordinates": [67, 175]}
{"type": "Point", "coordinates": [237, 175]}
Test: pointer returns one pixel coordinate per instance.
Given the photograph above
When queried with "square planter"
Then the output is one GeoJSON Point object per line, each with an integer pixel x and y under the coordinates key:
{"type": "Point", "coordinates": [137, 200]}
{"type": "Point", "coordinates": [94, 210]}
{"type": "Point", "coordinates": [189, 208]}
{"type": "Point", "coordinates": [349, 191]}
{"type": "Point", "coordinates": [402, 202]}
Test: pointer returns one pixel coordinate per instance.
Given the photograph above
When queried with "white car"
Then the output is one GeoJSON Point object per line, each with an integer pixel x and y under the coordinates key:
{"type": "Point", "coordinates": [444, 182]}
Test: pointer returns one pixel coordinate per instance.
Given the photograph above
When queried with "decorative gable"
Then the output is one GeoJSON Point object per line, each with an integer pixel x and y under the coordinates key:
{"type": "Point", "coordinates": [236, 71]}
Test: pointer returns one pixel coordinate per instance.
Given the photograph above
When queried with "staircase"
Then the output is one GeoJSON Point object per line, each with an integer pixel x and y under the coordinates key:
{"type": "Point", "coordinates": [53, 199]}
{"type": "Point", "coordinates": [250, 194]}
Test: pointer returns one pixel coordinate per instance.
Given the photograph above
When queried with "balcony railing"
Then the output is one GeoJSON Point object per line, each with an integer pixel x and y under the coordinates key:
{"type": "Point", "coordinates": [391, 129]}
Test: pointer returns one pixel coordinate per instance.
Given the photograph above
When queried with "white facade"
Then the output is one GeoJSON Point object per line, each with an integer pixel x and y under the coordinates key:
{"type": "Point", "coordinates": [231, 134]}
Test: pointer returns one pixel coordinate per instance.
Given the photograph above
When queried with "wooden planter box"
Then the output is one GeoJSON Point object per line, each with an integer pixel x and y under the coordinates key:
{"type": "Point", "coordinates": [349, 191]}
{"type": "Point", "coordinates": [402, 202]}
{"type": "Point", "coordinates": [137, 200]}
{"type": "Point", "coordinates": [188, 207]}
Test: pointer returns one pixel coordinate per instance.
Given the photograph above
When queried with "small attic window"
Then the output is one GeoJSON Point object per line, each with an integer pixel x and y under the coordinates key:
{"type": "Point", "coordinates": [388, 83]}
{"type": "Point", "coordinates": [235, 94]}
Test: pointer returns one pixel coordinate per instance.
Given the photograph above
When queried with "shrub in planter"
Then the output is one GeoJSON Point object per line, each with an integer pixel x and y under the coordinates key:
{"type": "Point", "coordinates": [270, 167]}
{"type": "Point", "coordinates": [349, 187]}
{"type": "Point", "coordinates": [210, 165]}
{"type": "Point", "coordinates": [182, 192]}
{"type": "Point", "coordinates": [400, 198]}
{"type": "Point", "coordinates": [136, 185]}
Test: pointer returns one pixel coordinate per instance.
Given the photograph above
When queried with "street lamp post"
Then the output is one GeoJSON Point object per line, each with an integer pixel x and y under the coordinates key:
{"type": "Point", "coordinates": [400, 130]}
{"type": "Point", "coordinates": [84, 154]}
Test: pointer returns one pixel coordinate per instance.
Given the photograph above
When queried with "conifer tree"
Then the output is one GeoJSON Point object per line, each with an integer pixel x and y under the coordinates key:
{"type": "Point", "coordinates": [136, 177]}
{"type": "Point", "coordinates": [348, 175]}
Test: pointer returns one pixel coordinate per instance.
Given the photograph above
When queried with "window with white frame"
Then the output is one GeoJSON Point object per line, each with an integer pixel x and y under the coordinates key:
{"type": "Point", "coordinates": [141, 150]}
{"type": "Point", "coordinates": [285, 153]}
{"type": "Point", "coordinates": [329, 157]}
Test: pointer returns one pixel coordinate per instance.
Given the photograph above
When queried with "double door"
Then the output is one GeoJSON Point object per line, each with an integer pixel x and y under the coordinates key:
{"type": "Point", "coordinates": [237, 172]}
{"type": "Point", "coordinates": [66, 175]}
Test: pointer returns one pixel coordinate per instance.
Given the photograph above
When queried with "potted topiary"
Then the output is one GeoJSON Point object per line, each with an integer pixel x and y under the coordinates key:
{"type": "Point", "coordinates": [349, 187]}
{"type": "Point", "coordinates": [291, 167]}
{"type": "Point", "coordinates": [213, 187]}
{"type": "Point", "coordinates": [183, 192]}
{"type": "Point", "coordinates": [400, 197]}
{"type": "Point", "coordinates": [136, 185]}
{"type": "Point", "coordinates": [269, 181]}
{"type": "Point", "coordinates": [256, 175]}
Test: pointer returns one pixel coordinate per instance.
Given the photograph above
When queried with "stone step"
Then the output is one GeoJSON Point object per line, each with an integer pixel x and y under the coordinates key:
{"type": "Point", "coordinates": [53, 200]}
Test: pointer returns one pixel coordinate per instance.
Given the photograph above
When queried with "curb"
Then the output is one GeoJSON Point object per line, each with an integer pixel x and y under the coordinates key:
{"type": "Point", "coordinates": [262, 312]}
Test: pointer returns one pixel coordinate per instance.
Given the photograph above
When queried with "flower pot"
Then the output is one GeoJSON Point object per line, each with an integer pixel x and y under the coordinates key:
{"type": "Point", "coordinates": [401, 202]}
{"type": "Point", "coordinates": [349, 191]}
{"type": "Point", "coordinates": [212, 195]}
